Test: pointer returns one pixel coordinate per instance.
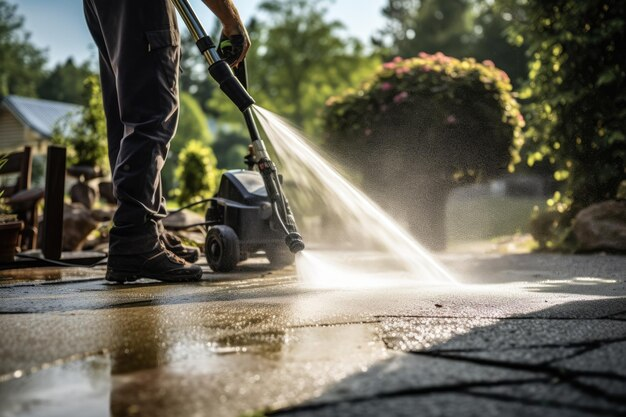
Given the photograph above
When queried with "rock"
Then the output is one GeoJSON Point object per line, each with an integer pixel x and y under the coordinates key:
{"type": "Point", "coordinates": [77, 224]}
{"type": "Point", "coordinates": [181, 219]}
{"type": "Point", "coordinates": [103, 214]}
{"type": "Point", "coordinates": [83, 193]}
{"type": "Point", "coordinates": [602, 226]}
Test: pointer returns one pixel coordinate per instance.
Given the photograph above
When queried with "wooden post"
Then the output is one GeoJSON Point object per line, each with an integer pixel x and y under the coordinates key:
{"type": "Point", "coordinates": [52, 234]}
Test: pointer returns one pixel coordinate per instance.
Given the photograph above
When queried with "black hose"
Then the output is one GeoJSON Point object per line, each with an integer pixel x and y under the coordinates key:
{"type": "Point", "coordinates": [61, 263]}
{"type": "Point", "coordinates": [197, 203]}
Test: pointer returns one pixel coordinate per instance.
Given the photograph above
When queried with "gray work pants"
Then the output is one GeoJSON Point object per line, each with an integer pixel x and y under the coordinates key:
{"type": "Point", "coordinates": [139, 47]}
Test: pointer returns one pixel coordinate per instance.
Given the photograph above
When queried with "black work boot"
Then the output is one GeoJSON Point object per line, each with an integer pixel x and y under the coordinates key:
{"type": "Point", "coordinates": [160, 264]}
{"type": "Point", "coordinates": [175, 245]}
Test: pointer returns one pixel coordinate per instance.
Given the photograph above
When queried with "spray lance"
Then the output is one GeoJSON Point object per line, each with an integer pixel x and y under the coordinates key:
{"type": "Point", "coordinates": [237, 93]}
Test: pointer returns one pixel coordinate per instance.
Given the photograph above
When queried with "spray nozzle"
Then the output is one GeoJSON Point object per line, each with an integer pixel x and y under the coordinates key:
{"type": "Point", "coordinates": [294, 242]}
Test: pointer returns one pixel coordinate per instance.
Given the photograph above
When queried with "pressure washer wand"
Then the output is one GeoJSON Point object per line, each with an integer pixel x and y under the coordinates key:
{"type": "Point", "coordinates": [237, 93]}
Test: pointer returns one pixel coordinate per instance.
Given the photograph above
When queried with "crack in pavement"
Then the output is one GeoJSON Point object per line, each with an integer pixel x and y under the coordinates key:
{"type": "Point", "coordinates": [567, 376]}
{"type": "Point", "coordinates": [543, 403]}
{"type": "Point", "coordinates": [407, 392]}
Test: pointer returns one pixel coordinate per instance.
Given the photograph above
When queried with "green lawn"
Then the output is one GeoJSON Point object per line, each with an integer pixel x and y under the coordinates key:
{"type": "Point", "coordinates": [488, 217]}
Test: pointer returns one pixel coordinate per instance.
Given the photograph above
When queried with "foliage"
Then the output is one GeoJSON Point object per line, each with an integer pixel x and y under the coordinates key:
{"type": "Point", "coordinates": [65, 83]}
{"type": "Point", "coordinates": [22, 63]}
{"type": "Point", "coordinates": [4, 209]}
{"type": "Point", "coordinates": [415, 26]}
{"type": "Point", "coordinates": [460, 28]}
{"type": "Point", "coordinates": [84, 133]}
{"type": "Point", "coordinates": [194, 77]}
{"type": "Point", "coordinates": [576, 99]}
{"type": "Point", "coordinates": [197, 173]}
{"type": "Point", "coordinates": [192, 124]}
{"type": "Point", "coordinates": [448, 116]}
{"type": "Point", "coordinates": [298, 59]}
{"type": "Point", "coordinates": [230, 149]}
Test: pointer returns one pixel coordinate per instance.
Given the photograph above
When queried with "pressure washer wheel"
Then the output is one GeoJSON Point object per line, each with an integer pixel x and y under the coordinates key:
{"type": "Point", "coordinates": [279, 257]}
{"type": "Point", "coordinates": [222, 248]}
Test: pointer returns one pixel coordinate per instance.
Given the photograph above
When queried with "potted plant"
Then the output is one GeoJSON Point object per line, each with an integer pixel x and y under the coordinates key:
{"type": "Point", "coordinates": [10, 229]}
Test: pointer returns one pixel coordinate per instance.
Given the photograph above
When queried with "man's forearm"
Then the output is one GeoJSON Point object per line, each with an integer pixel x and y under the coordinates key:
{"type": "Point", "coordinates": [227, 13]}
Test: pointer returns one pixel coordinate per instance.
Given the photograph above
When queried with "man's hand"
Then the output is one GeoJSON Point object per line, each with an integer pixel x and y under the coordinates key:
{"type": "Point", "coordinates": [233, 29]}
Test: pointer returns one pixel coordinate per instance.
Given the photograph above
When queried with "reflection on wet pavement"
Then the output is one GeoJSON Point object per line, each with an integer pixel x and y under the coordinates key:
{"type": "Point", "coordinates": [259, 339]}
{"type": "Point", "coordinates": [49, 274]}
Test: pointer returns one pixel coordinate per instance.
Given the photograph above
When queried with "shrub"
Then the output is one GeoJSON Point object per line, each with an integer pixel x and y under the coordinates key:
{"type": "Point", "coordinates": [192, 124]}
{"type": "Point", "coordinates": [196, 173]}
{"type": "Point", "coordinates": [426, 122]}
{"type": "Point", "coordinates": [575, 100]}
{"type": "Point", "coordinates": [84, 133]}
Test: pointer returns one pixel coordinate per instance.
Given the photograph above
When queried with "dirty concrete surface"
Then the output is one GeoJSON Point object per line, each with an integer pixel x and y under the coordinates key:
{"type": "Point", "coordinates": [526, 335]}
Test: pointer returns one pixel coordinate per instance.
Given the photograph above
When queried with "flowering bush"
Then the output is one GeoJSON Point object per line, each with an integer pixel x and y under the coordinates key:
{"type": "Point", "coordinates": [431, 120]}
{"type": "Point", "coordinates": [462, 110]}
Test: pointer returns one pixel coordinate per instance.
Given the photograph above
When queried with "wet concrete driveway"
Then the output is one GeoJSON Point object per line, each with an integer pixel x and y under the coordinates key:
{"type": "Point", "coordinates": [528, 335]}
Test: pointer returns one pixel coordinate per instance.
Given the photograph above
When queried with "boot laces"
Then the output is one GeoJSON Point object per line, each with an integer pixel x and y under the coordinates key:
{"type": "Point", "coordinates": [171, 255]}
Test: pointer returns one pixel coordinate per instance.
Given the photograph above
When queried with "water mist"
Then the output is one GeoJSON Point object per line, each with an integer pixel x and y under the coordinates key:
{"type": "Point", "coordinates": [317, 186]}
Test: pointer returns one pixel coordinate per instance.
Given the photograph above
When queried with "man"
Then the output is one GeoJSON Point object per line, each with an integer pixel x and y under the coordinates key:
{"type": "Point", "coordinates": [139, 47]}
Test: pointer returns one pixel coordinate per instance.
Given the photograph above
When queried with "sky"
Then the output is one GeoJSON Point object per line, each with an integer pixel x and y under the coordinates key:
{"type": "Point", "coordinates": [59, 25]}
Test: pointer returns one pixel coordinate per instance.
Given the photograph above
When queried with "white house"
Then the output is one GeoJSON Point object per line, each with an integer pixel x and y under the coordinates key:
{"type": "Point", "coordinates": [29, 122]}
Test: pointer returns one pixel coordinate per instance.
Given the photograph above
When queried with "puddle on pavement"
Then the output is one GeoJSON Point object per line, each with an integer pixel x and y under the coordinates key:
{"type": "Point", "coordinates": [228, 376]}
{"type": "Point", "coordinates": [48, 274]}
{"type": "Point", "coordinates": [77, 388]}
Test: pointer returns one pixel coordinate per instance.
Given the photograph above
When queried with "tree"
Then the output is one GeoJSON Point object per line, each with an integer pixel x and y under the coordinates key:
{"type": "Point", "coordinates": [197, 173]}
{"type": "Point", "coordinates": [65, 83]}
{"type": "Point", "coordinates": [575, 100]}
{"type": "Point", "coordinates": [491, 43]}
{"type": "Point", "coordinates": [420, 127]}
{"type": "Point", "coordinates": [415, 26]}
{"type": "Point", "coordinates": [459, 28]}
{"type": "Point", "coordinates": [298, 59]}
{"type": "Point", "coordinates": [194, 78]}
{"type": "Point", "coordinates": [84, 133]}
{"type": "Point", "coordinates": [192, 125]}
{"type": "Point", "coordinates": [22, 63]}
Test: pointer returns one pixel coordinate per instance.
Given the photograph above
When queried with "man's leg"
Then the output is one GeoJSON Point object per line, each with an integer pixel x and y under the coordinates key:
{"type": "Point", "coordinates": [143, 48]}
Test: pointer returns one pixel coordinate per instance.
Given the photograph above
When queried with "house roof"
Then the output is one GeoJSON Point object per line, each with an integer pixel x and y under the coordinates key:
{"type": "Point", "coordinates": [40, 115]}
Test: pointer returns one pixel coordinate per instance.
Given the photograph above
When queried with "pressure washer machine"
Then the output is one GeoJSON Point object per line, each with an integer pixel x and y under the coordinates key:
{"type": "Point", "coordinates": [250, 212]}
{"type": "Point", "coordinates": [243, 223]}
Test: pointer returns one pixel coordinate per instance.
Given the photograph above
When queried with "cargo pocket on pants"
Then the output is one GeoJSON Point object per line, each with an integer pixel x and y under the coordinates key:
{"type": "Point", "coordinates": [165, 45]}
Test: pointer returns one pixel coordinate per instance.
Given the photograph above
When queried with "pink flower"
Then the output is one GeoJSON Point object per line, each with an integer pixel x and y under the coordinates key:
{"type": "Point", "coordinates": [386, 86]}
{"type": "Point", "coordinates": [389, 65]}
{"type": "Point", "coordinates": [504, 76]}
{"type": "Point", "coordinates": [489, 63]}
{"type": "Point", "coordinates": [400, 97]}
{"type": "Point", "coordinates": [520, 118]}
{"type": "Point", "coordinates": [426, 68]}
{"type": "Point", "coordinates": [451, 119]}
{"type": "Point", "coordinates": [368, 132]}
{"type": "Point", "coordinates": [402, 70]}
{"type": "Point", "coordinates": [397, 59]}
{"type": "Point", "coordinates": [423, 55]}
